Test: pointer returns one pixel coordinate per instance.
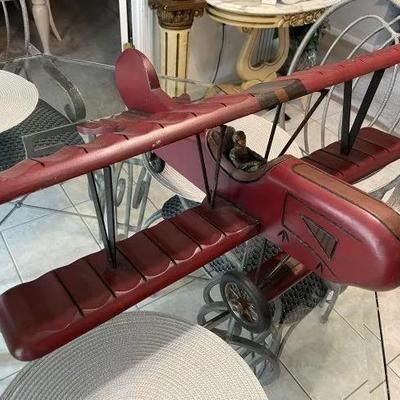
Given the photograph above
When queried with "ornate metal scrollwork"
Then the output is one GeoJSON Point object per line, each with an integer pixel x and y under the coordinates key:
{"type": "Point", "coordinates": [301, 19]}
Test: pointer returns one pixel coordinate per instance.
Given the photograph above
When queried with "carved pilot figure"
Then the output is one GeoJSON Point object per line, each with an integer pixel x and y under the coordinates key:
{"type": "Point", "coordinates": [242, 157]}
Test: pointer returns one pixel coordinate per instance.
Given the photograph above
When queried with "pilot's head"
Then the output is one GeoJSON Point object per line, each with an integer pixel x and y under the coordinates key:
{"type": "Point", "coordinates": [239, 138]}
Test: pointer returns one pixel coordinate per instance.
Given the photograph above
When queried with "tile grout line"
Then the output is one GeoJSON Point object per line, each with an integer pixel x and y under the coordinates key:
{"type": "Point", "coordinates": [377, 387]}
{"type": "Point", "coordinates": [10, 375]}
{"type": "Point", "coordinates": [12, 257]}
{"type": "Point", "coordinates": [26, 222]}
{"type": "Point", "coordinates": [50, 211]}
{"type": "Point", "coordinates": [371, 331]}
{"type": "Point", "coordinates": [355, 390]}
{"type": "Point", "coordinates": [395, 358]}
{"type": "Point", "coordinates": [394, 371]}
{"type": "Point", "coordinates": [349, 324]}
{"type": "Point", "coordinates": [74, 206]}
{"type": "Point", "coordinates": [81, 218]}
{"type": "Point", "coordinates": [296, 380]}
{"type": "Point", "coordinates": [378, 338]}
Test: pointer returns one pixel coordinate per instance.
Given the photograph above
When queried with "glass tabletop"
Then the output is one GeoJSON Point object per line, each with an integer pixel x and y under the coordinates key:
{"type": "Point", "coordinates": [350, 354]}
{"type": "Point", "coordinates": [86, 88]}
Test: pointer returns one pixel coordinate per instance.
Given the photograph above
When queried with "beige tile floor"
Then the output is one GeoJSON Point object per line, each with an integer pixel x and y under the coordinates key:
{"type": "Point", "coordinates": [338, 360]}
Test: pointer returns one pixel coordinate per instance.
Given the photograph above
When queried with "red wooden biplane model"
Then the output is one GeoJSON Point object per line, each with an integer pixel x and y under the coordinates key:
{"type": "Point", "coordinates": [307, 207]}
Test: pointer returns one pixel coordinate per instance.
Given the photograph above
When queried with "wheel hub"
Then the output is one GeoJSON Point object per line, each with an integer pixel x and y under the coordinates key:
{"type": "Point", "coordinates": [240, 303]}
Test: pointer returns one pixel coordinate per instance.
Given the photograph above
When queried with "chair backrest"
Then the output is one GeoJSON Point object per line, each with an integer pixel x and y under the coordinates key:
{"type": "Point", "coordinates": [384, 112]}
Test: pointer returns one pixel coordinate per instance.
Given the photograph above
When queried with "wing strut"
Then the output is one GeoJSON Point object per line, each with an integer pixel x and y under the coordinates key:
{"type": "Point", "coordinates": [218, 164]}
{"type": "Point", "coordinates": [348, 136]}
{"type": "Point", "coordinates": [273, 130]}
{"type": "Point", "coordinates": [203, 168]}
{"type": "Point", "coordinates": [107, 236]}
{"type": "Point", "coordinates": [110, 210]}
{"type": "Point", "coordinates": [303, 123]}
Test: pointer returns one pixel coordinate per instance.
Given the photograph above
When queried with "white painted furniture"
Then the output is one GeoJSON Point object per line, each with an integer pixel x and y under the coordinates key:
{"type": "Point", "coordinates": [43, 16]}
{"type": "Point", "coordinates": [140, 22]}
{"type": "Point", "coordinates": [252, 17]}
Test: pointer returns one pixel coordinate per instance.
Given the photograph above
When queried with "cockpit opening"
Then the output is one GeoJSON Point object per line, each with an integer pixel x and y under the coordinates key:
{"type": "Point", "coordinates": [238, 161]}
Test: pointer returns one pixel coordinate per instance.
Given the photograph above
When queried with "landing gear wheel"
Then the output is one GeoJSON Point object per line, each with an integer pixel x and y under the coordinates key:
{"type": "Point", "coordinates": [156, 163]}
{"type": "Point", "coordinates": [245, 302]}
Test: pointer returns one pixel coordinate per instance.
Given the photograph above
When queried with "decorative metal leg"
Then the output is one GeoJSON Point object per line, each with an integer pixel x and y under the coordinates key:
{"type": "Point", "coordinates": [8, 31]}
{"type": "Point", "coordinates": [42, 20]}
{"type": "Point", "coordinates": [207, 290]}
{"type": "Point", "coordinates": [128, 205]}
{"type": "Point", "coordinates": [153, 218]}
{"type": "Point", "coordinates": [217, 307]}
{"type": "Point", "coordinates": [76, 111]}
{"type": "Point", "coordinates": [25, 18]}
{"type": "Point", "coordinates": [146, 183]}
{"type": "Point", "coordinates": [335, 290]}
{"type": "Point", "coordinates": [52, 24]}
{"type": "Point", "coordinates": [262, 354]}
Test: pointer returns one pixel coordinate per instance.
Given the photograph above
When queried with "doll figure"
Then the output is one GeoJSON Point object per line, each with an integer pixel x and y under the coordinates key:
{"type": "Point", "coordinates": [242, 157]}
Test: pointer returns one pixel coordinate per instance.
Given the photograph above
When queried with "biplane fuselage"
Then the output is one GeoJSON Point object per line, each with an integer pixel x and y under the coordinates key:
{"type": "Point", "coordinates": [308, 214]}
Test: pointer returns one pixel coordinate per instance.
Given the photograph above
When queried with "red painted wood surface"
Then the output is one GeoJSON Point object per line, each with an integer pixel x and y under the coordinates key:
{"type": "Point", "coordinates": [39, 316]}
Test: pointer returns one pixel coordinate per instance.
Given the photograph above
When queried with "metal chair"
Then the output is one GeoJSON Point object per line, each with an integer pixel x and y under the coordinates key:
{"type": "Point", "coordinates": [382, 113]}
{"type": "Point", "coordinates": [46, 130]}
{"type": "Point", "coordinates": [25, 19]}
{"type": "Point", "coordinates": [262, 350]}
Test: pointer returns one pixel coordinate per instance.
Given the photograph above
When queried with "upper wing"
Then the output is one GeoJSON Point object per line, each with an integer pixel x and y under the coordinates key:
{"type": "Point", "coordinates": [158, 120]}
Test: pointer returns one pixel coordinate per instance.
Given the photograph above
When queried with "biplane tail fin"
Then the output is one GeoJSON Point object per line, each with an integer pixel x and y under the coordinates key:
{"type": "Point", "coordinates": [138, 83]}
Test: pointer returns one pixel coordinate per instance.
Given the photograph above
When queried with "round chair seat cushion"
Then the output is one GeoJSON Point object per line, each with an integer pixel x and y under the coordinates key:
{"type": "Point", "coordinates": [18, 99]}
{"type": "Point", "coordinates": [43, 117]}
{"type": "Point", "coordinates": [141, 356]}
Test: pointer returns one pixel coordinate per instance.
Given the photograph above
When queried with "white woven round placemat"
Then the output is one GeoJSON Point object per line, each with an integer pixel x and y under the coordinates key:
{"type": "Point", "coordinates": [140, 356]}
{"type": "Point", "coordinates": [18, 99]}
